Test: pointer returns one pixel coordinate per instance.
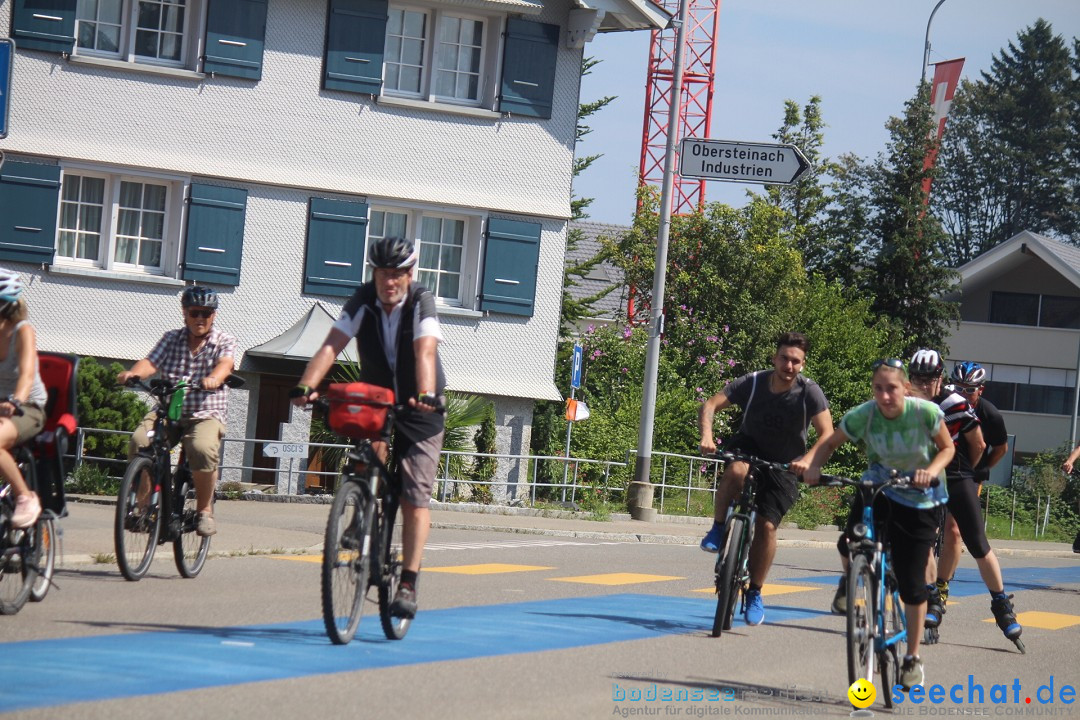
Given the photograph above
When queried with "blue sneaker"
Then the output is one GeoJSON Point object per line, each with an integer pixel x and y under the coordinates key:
{"type": "Point", "coordinates": [755, 610]}
{"type": "Point", "coordinates": [713, 538]}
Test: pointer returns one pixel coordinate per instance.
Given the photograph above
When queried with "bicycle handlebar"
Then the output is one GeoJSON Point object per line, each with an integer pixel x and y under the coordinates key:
{"type": "Point", "coordinates": [895, 481]}
{"type": "Point", "coordinates": [733, 456]}
{"type": "Point", "coordinates": [160, 387]}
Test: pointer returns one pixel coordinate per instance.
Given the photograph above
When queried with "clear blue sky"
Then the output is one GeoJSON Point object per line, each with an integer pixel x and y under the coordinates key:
{"type": "Point", "coordinates": [863, 57]}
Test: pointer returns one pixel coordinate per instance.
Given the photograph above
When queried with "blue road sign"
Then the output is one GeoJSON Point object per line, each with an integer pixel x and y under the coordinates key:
{"type": "Point", "coordinates": [7, 58]}
{"type": "Point", "coordinates": [575, 372]}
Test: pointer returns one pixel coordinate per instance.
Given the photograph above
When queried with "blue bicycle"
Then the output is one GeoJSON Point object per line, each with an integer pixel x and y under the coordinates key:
{"type": "Point", "coordinates": [875, 616]}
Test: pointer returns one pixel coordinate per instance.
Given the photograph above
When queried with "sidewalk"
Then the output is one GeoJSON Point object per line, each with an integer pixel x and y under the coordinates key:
{"type": "Point", "coordinates": [277, 524]}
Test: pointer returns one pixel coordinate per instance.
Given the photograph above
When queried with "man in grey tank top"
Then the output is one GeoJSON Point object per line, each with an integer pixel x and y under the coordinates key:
{"type": "Point", "coordinates": [778, 406]}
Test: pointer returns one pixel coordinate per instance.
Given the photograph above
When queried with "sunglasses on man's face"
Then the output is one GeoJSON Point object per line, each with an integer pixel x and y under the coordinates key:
{"type": "Point", "coordinates": [970, 390]}
{"type": "Point", "coordinates": [888, 362]}
{"type": "Point", "coordinates": [203, 314]}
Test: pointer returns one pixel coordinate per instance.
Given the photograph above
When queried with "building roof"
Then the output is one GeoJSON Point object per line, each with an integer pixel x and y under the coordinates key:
{"type": "Point", "coordinates": [1060, 256]}
{"type": "Point", "coordinates": [305, 336]}
{"type": "Point", "coordinates": [603, 275]}
{"type": "Point", "coordinates": [628, 14]}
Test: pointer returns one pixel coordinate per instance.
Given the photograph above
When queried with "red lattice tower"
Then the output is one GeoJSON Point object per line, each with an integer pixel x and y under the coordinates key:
{"type": "Point", "coordinates": [695, 112]}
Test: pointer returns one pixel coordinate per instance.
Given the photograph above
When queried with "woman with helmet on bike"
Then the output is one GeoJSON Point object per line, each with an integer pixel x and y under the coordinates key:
{"type": "Point", "coordinates": [22, 389]}
{"type": "Point", "coordinates": [397, 334]}
{"type": "Point", "coordinates": [204, 357]}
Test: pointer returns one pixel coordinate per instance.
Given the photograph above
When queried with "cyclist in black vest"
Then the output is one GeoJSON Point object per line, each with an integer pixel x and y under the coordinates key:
{"type": "Point", "coordinates": [397, 333]}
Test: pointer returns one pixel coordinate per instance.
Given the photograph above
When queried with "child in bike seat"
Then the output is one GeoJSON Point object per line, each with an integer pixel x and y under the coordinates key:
{"type": "Point", "coordinates": [22, 389]}
{"type": "Point", "coordinates": [908, 434]}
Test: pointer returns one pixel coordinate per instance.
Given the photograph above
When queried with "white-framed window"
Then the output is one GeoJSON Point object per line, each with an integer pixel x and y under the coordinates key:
{"type": "Point", "coordinates": [440, 55]}
{"type": "Point", "coordinates": [157, 32]}
{"type": "Point", "coordinates": [449, 248]}
{"type": "Point", "coordinates": [118, 221]}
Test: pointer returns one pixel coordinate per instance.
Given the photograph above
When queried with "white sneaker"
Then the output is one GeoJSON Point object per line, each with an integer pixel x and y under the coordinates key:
{"type": "Point", "coordinates": [27, 510]}
{"type": "Point", "coordinates": [911, 673]}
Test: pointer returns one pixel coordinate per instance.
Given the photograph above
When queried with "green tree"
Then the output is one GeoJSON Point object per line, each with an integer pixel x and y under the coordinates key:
{"type": "Point", "coordinates": [1008, 160]}
{"type": "Point", "coordinates": [483, 468]}
{"type": "Point", "coordinates": [806, 201]}
{"type": "Point", "coordinates": [845, 228]}
{"type": "Point", "coordinates": [573, 309]}
{"type": "Point", "coordinates": [103, 405]}
{"type": "Point", "coordinates": [908, 277]}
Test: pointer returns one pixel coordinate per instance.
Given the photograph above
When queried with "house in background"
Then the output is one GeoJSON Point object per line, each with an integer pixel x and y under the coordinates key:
{"type": "Point", "coordinates": [612, 307]}
{"type": "Point", "coordinates": [257, 145]}
{"type": "Point", "coordinates": [1020, 319]}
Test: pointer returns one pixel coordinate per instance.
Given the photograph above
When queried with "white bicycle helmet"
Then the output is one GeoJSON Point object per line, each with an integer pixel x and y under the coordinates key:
{"type": "Point", "coordinates": [11, 286]}
{"type": "Point", "coordinates": [926, 362]}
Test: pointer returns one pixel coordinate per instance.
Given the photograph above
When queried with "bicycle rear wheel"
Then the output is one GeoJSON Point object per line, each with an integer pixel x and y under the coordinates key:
{"type": "Point", "coordinates": [727, 581]}
{"type": "Point", "coordinates": [393, 627]}
{"type": "Point", "coordinates": [345, 562]}
{"type": "Point", "coordinates": [19, 562]}
{"type": "Point", "coordinates": [138, 519]}
{"type": "Point", "coordinates": [860, 620]}
{"type": "Point", "coordinates": [189, 548]}
{"type": "Point", "coordinates": [47, 539]}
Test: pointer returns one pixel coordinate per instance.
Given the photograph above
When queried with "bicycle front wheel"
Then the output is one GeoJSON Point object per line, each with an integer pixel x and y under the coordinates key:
{"type": "Point", "coordinates": [46, 539]}
{"type": "Point", "coordinates": [727, 579]}
{"type": "Point", "coordinates": [860, 620]}
{"type": "Point", "coordinates": [138, 518]}
{"type": "Point", "coordinates": [393, 627]}
{"type": "Point", "coordinates": [345, 563]}
{"type": "Point", "coordinates": [189, 548]}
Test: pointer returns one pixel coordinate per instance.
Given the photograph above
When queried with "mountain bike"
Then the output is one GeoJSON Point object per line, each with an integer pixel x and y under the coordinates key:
{"type": "Point", "coordinates": [362, 547]}
{"type": "Point", "coordinates": [876, 624]}
{"type": "Point", "coordinates": [157, 504]}
{"type": "Point", "coordinates": [20, 548]}
{"type": "Point", "coordinates": [732, 562]}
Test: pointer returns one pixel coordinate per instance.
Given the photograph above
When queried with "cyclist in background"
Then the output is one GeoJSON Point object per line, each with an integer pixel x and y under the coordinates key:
{"type": "Point", "coordinates": [907, 434]}
{"type": "Point", "coordinates": [965, 518]}
{"type": "Point", "coordinates": [204, 357]}
{"type": "Point", "coordinates": [397, 334]}
{"type": "Point", "coordinates": [778, 406]}
{"type": "Point", "coordinates": [21, 387]}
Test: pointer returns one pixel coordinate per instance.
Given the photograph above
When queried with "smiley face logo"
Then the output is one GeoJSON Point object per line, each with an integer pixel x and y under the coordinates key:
{"type": "Point", "coordinates": [862, 693]}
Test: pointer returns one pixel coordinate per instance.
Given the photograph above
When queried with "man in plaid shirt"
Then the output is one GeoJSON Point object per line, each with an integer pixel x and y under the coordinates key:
{"type": "Point", "coordinates": [204, 357]}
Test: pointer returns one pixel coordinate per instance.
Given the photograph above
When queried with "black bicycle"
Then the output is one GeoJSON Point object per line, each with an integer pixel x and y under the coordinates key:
{"type": "Point", "coordinates": [732, 561]}
{"type": "Point", "coordinates": [22, 549]}
{"type": "Point", "coordinates": [157, 504]}
{"type": "Point", "coordinates": [362, 546]}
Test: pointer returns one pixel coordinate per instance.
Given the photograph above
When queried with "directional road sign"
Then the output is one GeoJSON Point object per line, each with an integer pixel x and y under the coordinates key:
{"type": "Point", "coordinates": [7, 59]}
{"type": "Point", "coordinates": [290, 450]}
{"type": "Point", "coordinates": [575, 371]}
{"type": "Point", "coordinates": [765, 163]}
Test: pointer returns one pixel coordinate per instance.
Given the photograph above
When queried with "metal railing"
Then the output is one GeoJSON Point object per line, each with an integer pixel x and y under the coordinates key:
{"type": "Point", "coordinates": [702, 474]}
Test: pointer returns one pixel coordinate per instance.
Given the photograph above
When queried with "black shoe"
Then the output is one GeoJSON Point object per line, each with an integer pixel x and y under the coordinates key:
{"type": "Point", "coordinates": [1076, 543]}
{"type": "Point", "coordinates": [1002, 607]}
{"type": "Point", "coordinates": [404, 604]}
{"type": "Point", "coordinates": [839, 601]}
{"type": "Point", "coordinates": [935, 608]}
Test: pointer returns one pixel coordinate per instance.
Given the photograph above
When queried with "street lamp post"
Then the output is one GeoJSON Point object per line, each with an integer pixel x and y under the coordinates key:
{"type": "Point", "coordinates": [640, 492]}
{"type": "Point", "coordinates": [926, 42]}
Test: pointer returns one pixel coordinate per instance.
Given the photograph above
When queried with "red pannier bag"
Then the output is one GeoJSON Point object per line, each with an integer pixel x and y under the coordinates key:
{"type": "Point", "coordinates": [358, 410]}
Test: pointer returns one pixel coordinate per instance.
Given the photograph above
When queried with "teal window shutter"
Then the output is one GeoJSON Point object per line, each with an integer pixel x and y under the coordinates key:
{"type": "Point", "coordinates": [235, 35]}
{"type": "Point", "coordinates": [355, 40]}
{"type": "Point", "coordinates": [29, 196]}
{"type": "Point", "coordinates": [215, 234]}
{"type": "Point", "coordinates": [44, 25]}
{"type": "Point", "coordinates": [528, 74]}
{"type": "Point", "coordinates": [510, 266]}
{"type": "Point", "coordinates": [336, 233]}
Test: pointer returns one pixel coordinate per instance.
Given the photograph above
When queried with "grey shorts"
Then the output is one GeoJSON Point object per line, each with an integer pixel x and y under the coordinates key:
{"type": "Point", "coordinates": [29, 424]}
{"type": "Point", "coordinates": [418, 464]}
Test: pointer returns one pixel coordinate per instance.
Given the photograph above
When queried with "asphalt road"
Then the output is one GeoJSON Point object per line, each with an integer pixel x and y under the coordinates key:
{"type": "Point", "coordinates": [511, 626]}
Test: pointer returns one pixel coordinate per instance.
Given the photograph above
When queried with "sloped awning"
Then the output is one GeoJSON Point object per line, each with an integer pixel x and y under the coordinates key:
{"type": "Point", "coordinates": [301, 340]}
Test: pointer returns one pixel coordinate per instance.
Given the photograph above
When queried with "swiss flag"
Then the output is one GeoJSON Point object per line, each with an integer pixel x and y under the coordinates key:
{"type": "Point", "coordinates": [946, 79]}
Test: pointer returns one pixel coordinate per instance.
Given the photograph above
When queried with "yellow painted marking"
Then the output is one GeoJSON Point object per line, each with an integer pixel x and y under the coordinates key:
{"type": "Point", "coordinates": [486, 569]}
{"type": "Point", "coordinates": [771, 589]}
{"type": "Point", "coordinates": [617, 579]}
{"type": "Point", "coordinates": [297, 558]}
{"type": "Point", "coordinates": [1044, 620]}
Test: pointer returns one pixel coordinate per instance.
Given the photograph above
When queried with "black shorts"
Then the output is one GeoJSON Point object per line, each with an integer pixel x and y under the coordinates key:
{"type": "Point", "coordinates": [777, 490]}
{"type": "Point", "coordinates": [910, 533]}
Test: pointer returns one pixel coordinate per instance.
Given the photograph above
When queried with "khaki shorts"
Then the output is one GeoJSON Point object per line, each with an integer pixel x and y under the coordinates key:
{"type": "Point", "coordinates": [29, 424]}
{"type": "Point", "coordinates": [201, 438]}
{"type": "Point", "coordinates": [418, 465]}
